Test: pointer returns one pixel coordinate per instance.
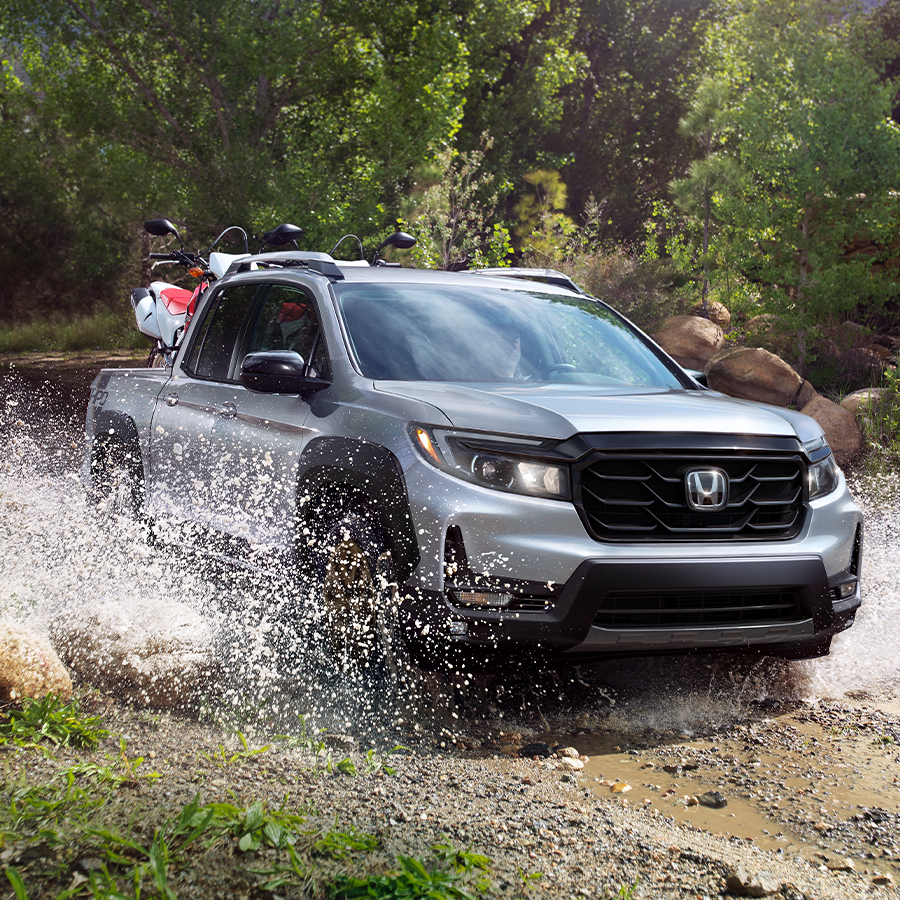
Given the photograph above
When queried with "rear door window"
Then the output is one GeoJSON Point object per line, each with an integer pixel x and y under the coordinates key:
{"type": "Point", "coordinates": [211, 355]}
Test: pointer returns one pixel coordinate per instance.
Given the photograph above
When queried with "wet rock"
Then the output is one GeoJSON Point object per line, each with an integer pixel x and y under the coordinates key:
{"type": "Point", "coordinates": [571, 752]}
{"type": "Point", "coordinates": [29, 666]}
{"type": "Point", "coordinates": [692, 341]}
{"type": "Point", "coordinates": [153, 653]}
{"type": "Point", "coordinates": [883, 879]}
{"type": "Point", "coordinates": [568, 763]}
{"type": "Point", "coordinates": [713, 799]}
{"type": "Point", "coordinates": [536, 749]}
{"type": "Point", "coordinates": [745, 883]}
{"type": "Point", "coordinates": [843, 864]}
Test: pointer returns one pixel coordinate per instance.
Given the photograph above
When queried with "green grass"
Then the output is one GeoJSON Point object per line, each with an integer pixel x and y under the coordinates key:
{"type": "Point", "coordinates": [104, 331]}
{"type": "Point", "coordinates": [50, 720]}
{"type": "Point", "coordinates": [70, 792]}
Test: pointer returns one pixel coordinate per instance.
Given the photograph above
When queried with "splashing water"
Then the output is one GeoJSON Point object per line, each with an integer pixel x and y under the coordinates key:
{"type": "Point", "coordinates": [58, 553]}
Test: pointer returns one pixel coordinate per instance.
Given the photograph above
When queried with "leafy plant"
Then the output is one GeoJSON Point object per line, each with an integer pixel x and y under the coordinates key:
{"type": "Point", "coordinates": [54, 720]}
{"type": "Point", "coordinates": [223, 758]}
{"type": "Point", "coordinates": [446, 878]}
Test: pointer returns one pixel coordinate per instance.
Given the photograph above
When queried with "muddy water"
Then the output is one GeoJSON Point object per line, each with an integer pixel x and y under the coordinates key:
{"type": "Point", "coordinates": [805, 754]}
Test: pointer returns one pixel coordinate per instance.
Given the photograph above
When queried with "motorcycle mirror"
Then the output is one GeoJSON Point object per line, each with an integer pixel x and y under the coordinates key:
{"type": "Point", "coordinates": [283, 235]}
{"type": "Point", "coordinates": [162, 227]}
{"type": "Point", "coordinates": [399, 239]}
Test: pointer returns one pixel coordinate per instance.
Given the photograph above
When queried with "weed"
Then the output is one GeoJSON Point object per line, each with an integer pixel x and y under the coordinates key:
{"type": "Point", "coordinates": [123, 771]}
{"type": "Point", "coordinates": [256, 827]}
{"type": "Point", "coordinates": [448, 877]}
{"type": "Point", "coordinates": [340, 844]}
{"type": "Point", "coordinates": [53, 720]}
{"type": "Point", "coordinates": [39, 806]}
{"type": "Point", "coordinates": [626, 892]}
{"type": "Point", "coordinates": [223, 759]}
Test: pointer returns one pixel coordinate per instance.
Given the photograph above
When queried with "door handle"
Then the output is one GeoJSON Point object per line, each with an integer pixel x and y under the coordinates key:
{"type": "Point", "coordinates": [227, 410]}
{"type": "Point", "coordinates": [172, 399]}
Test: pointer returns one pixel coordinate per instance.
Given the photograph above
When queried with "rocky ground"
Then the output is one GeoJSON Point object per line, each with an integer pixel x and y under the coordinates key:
{"type": "Point", "coordinates": [628, 819]}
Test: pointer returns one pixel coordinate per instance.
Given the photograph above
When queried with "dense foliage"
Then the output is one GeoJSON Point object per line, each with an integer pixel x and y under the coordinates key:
{"type": "Point", "coordinates": [751, 140]}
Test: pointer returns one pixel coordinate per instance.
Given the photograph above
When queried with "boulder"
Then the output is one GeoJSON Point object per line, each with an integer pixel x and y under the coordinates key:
{"type": "Point", "coordinates": [152, 652]}
{"type": "Point", "coordinates": [806, 393]}
{"type": "Point", "coordinates": [858, 399]}
{"type": "Point", "coordinates": [860, 361]}
{"type": "Point", "coordinates": [715, 312]}
{"type": "Point", "coordinates": [840, 429]}
{"type": "Point", "coordinates": [690, 340]}
{"type": "Point", "coordinates": [754, 374]}
{"type": "Point", "coordinates": [29, 666]}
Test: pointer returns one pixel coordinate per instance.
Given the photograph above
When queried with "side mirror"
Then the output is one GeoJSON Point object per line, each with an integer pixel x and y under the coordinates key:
{"type": "Point", "coordinates": [162, 227]}
{"type": "Point", "coordinates": [279, 372]}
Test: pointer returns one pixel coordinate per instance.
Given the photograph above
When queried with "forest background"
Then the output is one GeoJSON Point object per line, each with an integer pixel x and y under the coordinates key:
{"type": "Point", "coordinates": [663, 152]}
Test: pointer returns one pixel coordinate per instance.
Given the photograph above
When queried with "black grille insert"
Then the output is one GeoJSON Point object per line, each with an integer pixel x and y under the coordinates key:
{"type": "Point", "coordinates": [683, 609]}
{"type": "Point", "coordinates": [631, 496]}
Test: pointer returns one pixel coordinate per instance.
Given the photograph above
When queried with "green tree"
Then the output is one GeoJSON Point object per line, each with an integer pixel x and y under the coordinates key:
{"type": "Point", "coordinates": [619, 137]}
{"type": "Point", "coordinates": [811, 128]}
{"type": "Point", "coordinates": [543, 228]}
{"type": "Point", "coordinates": [714, 172]}
{"type": "Point", "coordinates": [452, 202]}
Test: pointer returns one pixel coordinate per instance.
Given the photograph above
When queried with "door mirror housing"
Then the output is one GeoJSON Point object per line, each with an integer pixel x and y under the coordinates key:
{"type": "Point", "coordinates": [279, 372]}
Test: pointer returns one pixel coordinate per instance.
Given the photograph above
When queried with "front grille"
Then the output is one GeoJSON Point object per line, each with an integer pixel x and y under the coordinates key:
{"type": "Point", "coordinates": [680, 609]}
{"type": "Point", "coordinates": [628, 497]}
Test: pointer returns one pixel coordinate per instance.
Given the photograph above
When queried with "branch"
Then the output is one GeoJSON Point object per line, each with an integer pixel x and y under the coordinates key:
{"type": "Point", "coordinates": [209, 81]}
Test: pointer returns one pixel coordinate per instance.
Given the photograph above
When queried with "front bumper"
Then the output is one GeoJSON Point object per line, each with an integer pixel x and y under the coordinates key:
{"type": "Point", "coordinates": [568, 630]}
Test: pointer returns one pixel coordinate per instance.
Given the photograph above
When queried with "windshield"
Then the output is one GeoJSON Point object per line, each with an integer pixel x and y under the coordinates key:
{"type": "Point", "coordinates": [439, 332]}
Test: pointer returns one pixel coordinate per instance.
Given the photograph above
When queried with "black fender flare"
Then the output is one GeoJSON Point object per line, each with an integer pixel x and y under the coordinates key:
{"type": "Point", "coordinates": [110, 423]}
{"type": "Point", "coordinates": [329, 463]}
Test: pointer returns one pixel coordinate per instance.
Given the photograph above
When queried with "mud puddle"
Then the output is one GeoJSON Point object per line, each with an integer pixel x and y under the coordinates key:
{"type": "Point", "coordinates": [818, 781]}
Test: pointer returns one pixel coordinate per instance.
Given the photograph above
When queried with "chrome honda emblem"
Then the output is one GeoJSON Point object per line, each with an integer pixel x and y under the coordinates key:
{"type": "Point", "coordinates": [706, 489]}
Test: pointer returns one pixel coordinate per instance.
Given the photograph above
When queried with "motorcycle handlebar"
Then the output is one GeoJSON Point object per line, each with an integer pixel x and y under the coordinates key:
{"type": "Point", "coordinates": [179, 256]}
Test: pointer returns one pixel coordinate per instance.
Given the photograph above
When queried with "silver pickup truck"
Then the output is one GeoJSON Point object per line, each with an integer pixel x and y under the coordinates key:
{"type": "Point", "coordinates": [487, 468]}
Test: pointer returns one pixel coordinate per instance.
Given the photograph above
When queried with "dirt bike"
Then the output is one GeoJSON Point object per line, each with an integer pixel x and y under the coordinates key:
{"type": "Point", "coordinates": [163, 310]}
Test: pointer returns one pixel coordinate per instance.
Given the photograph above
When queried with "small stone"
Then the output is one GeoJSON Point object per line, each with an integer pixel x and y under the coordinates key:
{"type": "Point", "coordinates": [883, 879]}
{"type": "Point", "coordinates": [690, 800]}
{"type": "Point", "coordinates": [621, 787]}
{"type": "Point", "coordinates": [510, 750]}
{"type": "Point", "coordinates": [713, 799]}
{"type": "Point", "coordinates": [751, 884]}
{"type": "Point", "coordinates": [844, 864]}
{"type": "Point", "coordinates": [571, 752]}
{"type": "Point", "coordinates": [568, 763]}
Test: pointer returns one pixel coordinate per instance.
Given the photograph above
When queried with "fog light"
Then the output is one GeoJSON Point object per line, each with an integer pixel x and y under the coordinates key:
{"type": "Point", "coordinates": [483, 598]}
{"type": "Point", "coordinates": [846, 590]}
{"type": "Point", "coordinates": [459, 628]}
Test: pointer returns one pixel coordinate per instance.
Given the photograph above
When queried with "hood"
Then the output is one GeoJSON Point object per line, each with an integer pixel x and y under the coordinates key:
{"type": "Point", "coordinates": [561, 410]}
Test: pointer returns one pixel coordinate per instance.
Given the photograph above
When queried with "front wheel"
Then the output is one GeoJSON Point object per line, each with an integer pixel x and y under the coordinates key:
{"type": "Point", "coordinates": [358, 602]}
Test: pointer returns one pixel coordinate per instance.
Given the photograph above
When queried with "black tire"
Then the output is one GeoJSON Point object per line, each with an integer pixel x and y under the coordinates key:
{"type": "Point", "coordinates": [356, 598]}
{"type": "Point", "coordinates": [117, 479]}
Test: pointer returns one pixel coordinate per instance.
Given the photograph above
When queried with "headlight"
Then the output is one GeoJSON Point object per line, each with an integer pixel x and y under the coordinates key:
{"type": "Point", "coordinates": [493, 461]}
{"type": "Point", "coordinates": [823, 474]}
